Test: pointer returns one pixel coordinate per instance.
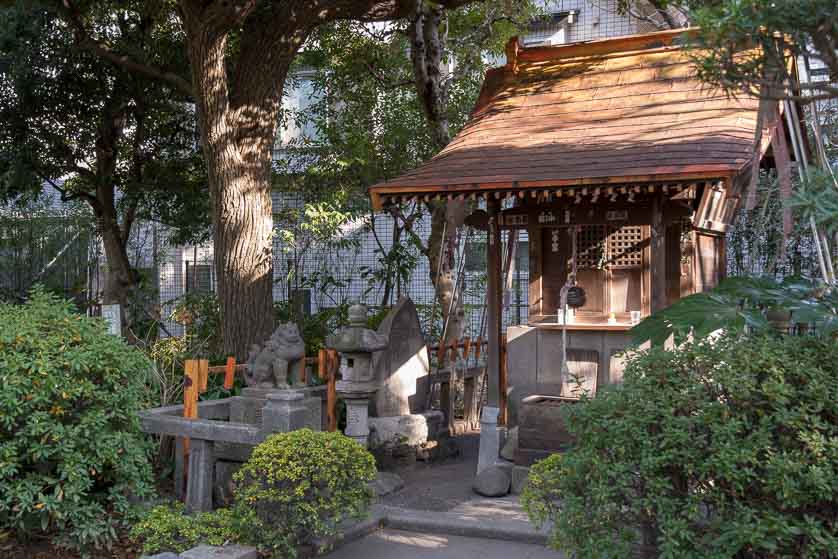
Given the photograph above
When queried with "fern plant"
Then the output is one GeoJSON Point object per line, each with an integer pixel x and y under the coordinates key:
{"type": "Point", "coordinates": [741, 303]}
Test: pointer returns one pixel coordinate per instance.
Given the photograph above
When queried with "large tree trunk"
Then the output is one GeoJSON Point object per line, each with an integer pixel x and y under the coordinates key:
{"type": "Point", "coordinates": [119, 278]}
{"type": "Point", "coordinates": [243, 250]}
{"type": "Point", "coordinates": [237, 149]}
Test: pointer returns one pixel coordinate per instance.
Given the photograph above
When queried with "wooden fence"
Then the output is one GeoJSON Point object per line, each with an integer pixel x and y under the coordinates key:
{"type": "Point", "coordinates": [468, 351]}
{"type": "Point", "coordinates": [196, 376]}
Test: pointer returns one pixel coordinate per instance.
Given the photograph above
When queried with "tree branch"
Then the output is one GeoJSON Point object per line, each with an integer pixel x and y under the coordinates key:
{"type": "Point", "coordinates": [86, 41]}
{"type": "Point", "coordinates": [267, 49]}
{"type": "Point", "coordinates": [383, 81]}
{"type": "Point", "coordinates": [67, 195]}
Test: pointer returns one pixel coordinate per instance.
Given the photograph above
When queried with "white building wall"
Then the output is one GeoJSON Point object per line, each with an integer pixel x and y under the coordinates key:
{"type": "Point", "coordinates": [597, 19]}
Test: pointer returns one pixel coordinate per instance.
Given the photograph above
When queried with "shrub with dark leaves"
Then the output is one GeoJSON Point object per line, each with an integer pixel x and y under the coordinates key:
{"type": "Point", "coordinates": [71, 452]}
{"type": "Point", "coordinates": [725, 449]}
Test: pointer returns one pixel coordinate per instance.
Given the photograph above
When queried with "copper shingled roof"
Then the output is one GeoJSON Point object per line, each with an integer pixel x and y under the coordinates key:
{"type": "Point", "coordinates": [628, 109]}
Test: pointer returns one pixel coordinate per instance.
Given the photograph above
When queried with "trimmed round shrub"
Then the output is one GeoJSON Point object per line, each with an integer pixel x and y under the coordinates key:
{"type": "Point", "coordinates": [71, 452]}
{"type": "Point", "coordinates": [724, 449]}
{"type": "Point", "coordinates": [300, 485]}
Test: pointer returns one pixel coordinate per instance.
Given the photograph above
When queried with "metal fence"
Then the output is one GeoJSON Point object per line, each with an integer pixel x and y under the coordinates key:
{"type": "Point", "coordinates": [50, 247]}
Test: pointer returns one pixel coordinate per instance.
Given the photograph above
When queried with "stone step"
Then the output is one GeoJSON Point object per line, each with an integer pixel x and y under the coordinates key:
{"type": "Point", "coordinates": [475, 523]}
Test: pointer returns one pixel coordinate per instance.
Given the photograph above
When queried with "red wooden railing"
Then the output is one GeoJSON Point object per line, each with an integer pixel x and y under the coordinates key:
{"type": "Point", "coordinates": [196, 374]}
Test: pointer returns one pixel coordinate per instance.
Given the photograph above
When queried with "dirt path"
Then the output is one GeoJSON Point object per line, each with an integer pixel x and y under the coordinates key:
{"type": "Point", "coordinates": [439, 486]}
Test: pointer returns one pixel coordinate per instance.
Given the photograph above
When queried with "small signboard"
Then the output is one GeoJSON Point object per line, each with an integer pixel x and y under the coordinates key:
{"type": "Point", "coordinates": [515, 219]}
{"type": "Point", "coordinates": [112, 315]}
{"type": "Point", "coordinates": [617, 215]}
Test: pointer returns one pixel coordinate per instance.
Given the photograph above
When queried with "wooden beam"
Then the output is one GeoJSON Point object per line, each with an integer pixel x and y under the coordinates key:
{"type": "Point", "coordinates": [657, 267]}
{"type": "Point", "coordinates": [503, 381]}
{"type": "Point", "coordinates": [493, 311]}
{"type": "Point", "coordinates": [534, 243]}
{"type": "Point", "coordinates": [689, 175]}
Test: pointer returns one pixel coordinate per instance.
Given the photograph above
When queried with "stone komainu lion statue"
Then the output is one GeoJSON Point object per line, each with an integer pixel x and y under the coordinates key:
{"type": "Point", "coordinates": [283, 353]}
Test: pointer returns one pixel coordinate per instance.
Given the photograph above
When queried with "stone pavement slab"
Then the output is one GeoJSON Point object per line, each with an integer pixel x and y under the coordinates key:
{"type": "Point", "coordinates": [506, 508]}
{"type": "Point", "coordinates": [390, 543]}
{"type": "Point", "coordinates": [456, 524]}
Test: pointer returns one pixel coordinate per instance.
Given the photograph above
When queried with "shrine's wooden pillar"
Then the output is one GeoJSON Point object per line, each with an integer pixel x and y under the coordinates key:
{"type": "Point", "coordinates": [657, 265]}
{"type": "Point", "coordinates": [493, 303]}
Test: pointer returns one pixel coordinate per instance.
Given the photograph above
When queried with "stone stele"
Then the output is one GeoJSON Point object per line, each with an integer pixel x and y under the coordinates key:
{"type": "Point", "coordinates": [401, 370]}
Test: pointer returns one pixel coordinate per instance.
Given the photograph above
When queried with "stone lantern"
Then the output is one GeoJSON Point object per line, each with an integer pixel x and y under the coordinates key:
{"type": "Point", "coordinates": [356, 344]}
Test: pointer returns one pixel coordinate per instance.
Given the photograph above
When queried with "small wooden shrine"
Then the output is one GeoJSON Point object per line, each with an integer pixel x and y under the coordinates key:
{"type": "Point", "coordinates": [624, 170]}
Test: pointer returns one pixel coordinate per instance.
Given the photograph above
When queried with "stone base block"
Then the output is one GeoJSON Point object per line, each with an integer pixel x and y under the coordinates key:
{"type": "Point", "coordinates": [493, 481]}
{"type": "Point", "coordinates": [541, 428]}
{"type": "Point", "coordinates": [519, 478]}
{"type": "Point", "coordinates": [437, 429]}
{"type": "Point", "coordinates": [247, 408]}
{"type": "Point", "coordinates": [490, 438]}
{"type": "Point", "coordinates": [411, 430]}
{"type": "Point", "coordinates": [386, 483]}
{"type": "Point", "coordinates": [234, 452]}
{"type": "Point", "coordinates": [529, 456]}
{"type": "Point", "coordinates": [223, 482]}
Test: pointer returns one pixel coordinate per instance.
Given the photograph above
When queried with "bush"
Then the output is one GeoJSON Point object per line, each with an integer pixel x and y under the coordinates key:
{"type": "Point", "coordinates": [714, 450]}
{"type": "Point", "coordinates": [299, 485]}
{"type": "Point", "coordinates": [71, 452]}
{"type": "Point", "coordinates": [167, 528]}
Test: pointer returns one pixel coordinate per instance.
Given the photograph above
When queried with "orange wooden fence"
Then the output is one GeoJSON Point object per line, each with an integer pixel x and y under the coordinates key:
{"type": "Point", "coordinates": [196, 374]}
{"type": "Point", "coordinates": [451, 351]}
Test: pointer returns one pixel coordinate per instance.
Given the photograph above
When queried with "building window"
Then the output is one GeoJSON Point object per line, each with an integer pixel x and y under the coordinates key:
{"type": "Point", "coordinates": [522, 256]}
{"type": "Point", "coordinates": [475, 256]}
{"type": "Point", "coordinates": [199, 278]}
{"type": "Point", "coordinates": [550, 31]}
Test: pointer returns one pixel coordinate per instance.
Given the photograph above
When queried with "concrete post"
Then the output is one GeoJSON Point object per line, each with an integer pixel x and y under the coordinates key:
{"type": "Point", "coordinates": [490, 436]}
{"type": "Point", "coordinates": [199, 484]}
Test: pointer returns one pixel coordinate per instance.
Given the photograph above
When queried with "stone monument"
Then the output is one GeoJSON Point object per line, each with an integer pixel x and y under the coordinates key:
{"type": "Point", "coordinates": [218, 444]}
{"type": "Point", "coordinates": [356, 344]}
{"type": "Point", "coordinates": [400, 423]}
{"type": "Point", "coordinates": [402, 368]}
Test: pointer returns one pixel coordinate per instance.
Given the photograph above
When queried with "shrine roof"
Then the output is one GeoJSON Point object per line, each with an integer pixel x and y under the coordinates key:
{"type": "Point", "coordinates": [616, 111]}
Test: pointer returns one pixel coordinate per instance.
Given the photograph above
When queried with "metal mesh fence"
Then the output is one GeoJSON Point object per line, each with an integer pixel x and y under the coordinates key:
{"type": "Point", "coordinates": [52, 247]}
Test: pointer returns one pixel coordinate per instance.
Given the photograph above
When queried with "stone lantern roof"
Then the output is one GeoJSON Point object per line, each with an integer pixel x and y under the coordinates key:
{"type": "Point", "coordinates": [357, 338]}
